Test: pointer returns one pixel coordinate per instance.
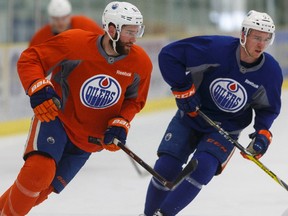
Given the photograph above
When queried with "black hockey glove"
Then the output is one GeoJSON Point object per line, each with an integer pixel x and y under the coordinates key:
{"type": "Point", "coordinates": [260, 143]}
{"type": "Point", "coordinates": [44, 100]}
{"type": "Point", "coordinates": [117, 130]}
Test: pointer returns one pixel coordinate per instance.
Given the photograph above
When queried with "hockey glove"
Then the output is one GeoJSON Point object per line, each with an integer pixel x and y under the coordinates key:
{"type": "Point", "coordinates": [187, 100]}
{"type": "Point", "coordinates": [117, 130]}
{"type": "Point", "coordinates": [44, 100]}
{"type": "Point", "coordinates": [259, 144]}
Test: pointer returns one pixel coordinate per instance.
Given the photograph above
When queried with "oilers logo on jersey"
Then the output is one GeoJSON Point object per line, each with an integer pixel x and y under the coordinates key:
{"type": "Point", "coordinates": [228, 94]}
{"type": "Point", "coordinates": [100, 91]}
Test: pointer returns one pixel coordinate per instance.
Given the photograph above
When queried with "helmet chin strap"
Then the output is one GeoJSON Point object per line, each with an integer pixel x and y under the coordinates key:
{"type": "Point", "coordinates": [114, 41]}
{"type": "Point", "coordinates": [244, 47]}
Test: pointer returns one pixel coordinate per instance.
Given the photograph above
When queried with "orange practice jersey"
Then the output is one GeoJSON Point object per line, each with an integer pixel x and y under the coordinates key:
{"type": "Point", "coordinates": [77, 22]}
{"type": "Point", "coordinates": [94, 87]}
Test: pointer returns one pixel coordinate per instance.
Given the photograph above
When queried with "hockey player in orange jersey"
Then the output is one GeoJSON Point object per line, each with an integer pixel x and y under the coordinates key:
{"type": "Point", "coordinates": [98, 84]}
{"type": "Point", "coordinates": [60, 18]}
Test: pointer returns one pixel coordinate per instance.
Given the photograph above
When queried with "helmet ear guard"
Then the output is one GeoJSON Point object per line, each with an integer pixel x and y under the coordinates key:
{"type": "Point", "coordinates": [258, 21]}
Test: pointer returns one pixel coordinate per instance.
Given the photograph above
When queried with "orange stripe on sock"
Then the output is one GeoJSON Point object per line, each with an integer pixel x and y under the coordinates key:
{"type": "Point", "coordinates": [35, 176]}
{"type": "Point", "coordinates": [25, 191]}
{"type": "Point", "coordinates": [11, 209]}
{"type": "Point", "coordinates": [3, 198]}
{"type": "Point", "coordinates": [44, 195]}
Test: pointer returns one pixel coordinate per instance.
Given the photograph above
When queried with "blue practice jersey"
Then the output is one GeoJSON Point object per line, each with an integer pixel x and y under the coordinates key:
{"type": "Point", "coordinates": [229, 91]}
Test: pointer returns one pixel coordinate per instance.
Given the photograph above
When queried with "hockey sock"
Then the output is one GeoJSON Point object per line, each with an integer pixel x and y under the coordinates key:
{"type": "Point", "coordinates": [36, 175]}
{"type": "Point", "coordinates": [168, 167]}
{"type": "Point", "coordinates": [44, 195]}
{"type": "Point", "coordinates": [3, 198]}
{"type": "Point", "coordinates": [188, 189]}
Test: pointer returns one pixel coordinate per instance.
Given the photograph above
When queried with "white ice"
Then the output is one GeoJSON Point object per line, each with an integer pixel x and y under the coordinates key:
{"type": "Point", "coordinates": [109, 185]}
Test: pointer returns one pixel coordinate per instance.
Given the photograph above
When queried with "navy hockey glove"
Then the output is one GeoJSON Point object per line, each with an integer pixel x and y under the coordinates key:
{"type": "Point", "coordinates": [117, 130]}
{"type": "Point", "coordinates": [187, 100]}
{"type": "Point", "coordinates": [44, 100]}
{"type": "Point", "coordinates": [259, 144]}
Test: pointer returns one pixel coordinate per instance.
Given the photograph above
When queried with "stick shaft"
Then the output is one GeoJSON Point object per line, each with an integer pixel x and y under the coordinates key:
{"type": "Point", "coordinates": [143, 164]}
{"type": "Point", "coordinates": [190, 167]}
{"type": "Point", "coordinates": [242, 149]}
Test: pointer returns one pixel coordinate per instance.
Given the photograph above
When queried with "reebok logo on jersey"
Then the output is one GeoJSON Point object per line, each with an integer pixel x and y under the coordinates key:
{"type": "Point", "coordinates": [228, 94]}
{"type": "Point", "coordinates": [123, 73]}
{"type": "Point", "coordinates": [100, 91]}
{"type": "Point", "coordinates": [251, 83]}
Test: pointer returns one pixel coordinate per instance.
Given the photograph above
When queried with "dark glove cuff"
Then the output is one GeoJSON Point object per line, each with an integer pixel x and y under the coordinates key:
{"type": "Point", "coordinates": [119, 122]}
{"type": "Point", "coordinates": [181, 89]}
{"type": "Point", "coordinates": [267, 134]}
{"type": "Point", "coordinates": [181, 94]}
{"type": "Point", "coordinates": [38, 85]}
{"type": "Point", "coordinates": [43, 95]}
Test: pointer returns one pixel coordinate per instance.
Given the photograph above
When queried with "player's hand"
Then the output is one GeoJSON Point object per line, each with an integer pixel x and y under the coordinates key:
{"type": "Point", "coordinates": [259, 144]}
{"type": "Point", "coordinates": [187, 100]}
{"type": "Point", "coordinates": [117, 129]}
{"type": "Point", "coordinates": [44, 100]}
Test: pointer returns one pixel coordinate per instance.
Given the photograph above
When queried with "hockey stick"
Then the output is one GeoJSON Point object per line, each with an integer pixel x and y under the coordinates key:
{"type": "Point", "coordinates": [189, 168]}
{"type": "Point", "coordinates": [242, 149]}
{"type": "Point", "coordinates": [138, 170]}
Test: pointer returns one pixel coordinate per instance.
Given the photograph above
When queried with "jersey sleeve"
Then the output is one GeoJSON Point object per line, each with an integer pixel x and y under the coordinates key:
{"type": "Point", "coordinates": [269, 105]}
{"type": "Point", "coordinates": [35, 62]}
{"type": "Point", "coordinates": [176, 57]}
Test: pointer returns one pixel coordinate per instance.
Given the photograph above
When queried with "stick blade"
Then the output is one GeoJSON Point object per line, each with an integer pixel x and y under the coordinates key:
{"type": "Point", "coordinates": [283, 184]}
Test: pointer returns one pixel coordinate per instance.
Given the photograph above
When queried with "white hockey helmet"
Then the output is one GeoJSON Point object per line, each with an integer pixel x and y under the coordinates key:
{"type": "Point", "coordinates": [59, 8]}
{"type": "Point", "coordinates": [122, 13]}
{"type": "Point", "coordinates": [258, 21]}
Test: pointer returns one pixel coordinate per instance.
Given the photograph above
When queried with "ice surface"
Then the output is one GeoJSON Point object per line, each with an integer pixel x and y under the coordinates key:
{"type": "Point", "coordinates": [109, 185]}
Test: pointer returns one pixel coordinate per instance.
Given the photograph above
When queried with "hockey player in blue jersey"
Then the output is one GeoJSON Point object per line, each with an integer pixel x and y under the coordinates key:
{"type": "Point", "coordinates": [229, 81]}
